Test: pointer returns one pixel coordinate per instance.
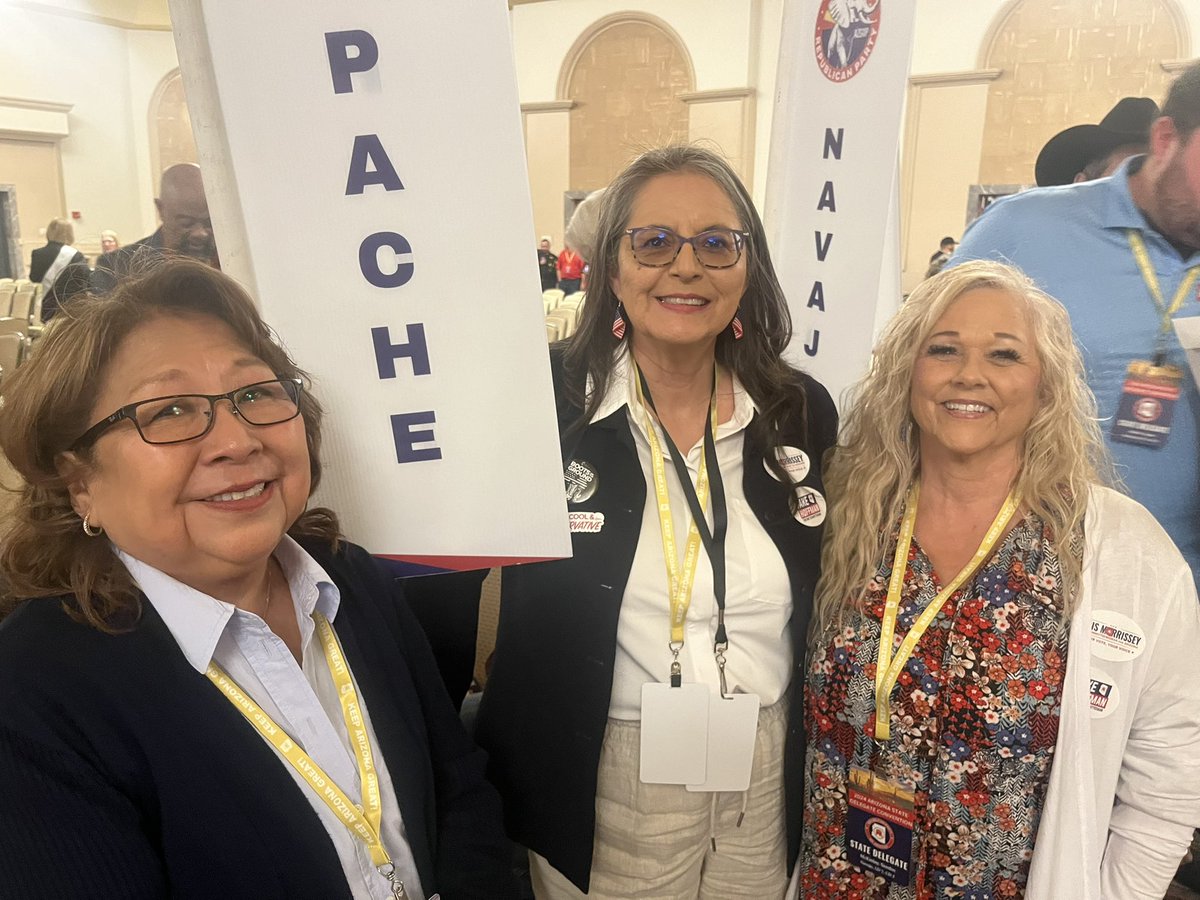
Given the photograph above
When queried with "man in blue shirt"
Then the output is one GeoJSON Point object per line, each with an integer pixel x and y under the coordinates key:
{"type": "Point", "coordinates": [1105, 248]}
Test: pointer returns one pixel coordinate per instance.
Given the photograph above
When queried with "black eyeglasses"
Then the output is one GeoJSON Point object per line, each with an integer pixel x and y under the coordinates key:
{"type": "Point", "coordinates": [186, 417]}
{"type": "Point", "coordinates": [717, 248]}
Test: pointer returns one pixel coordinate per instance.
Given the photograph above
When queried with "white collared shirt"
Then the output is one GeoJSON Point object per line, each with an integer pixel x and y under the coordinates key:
{"type": "Point", "coordinates": [758, 598]}
{"type": "Point", "coordinates": [302, 701]}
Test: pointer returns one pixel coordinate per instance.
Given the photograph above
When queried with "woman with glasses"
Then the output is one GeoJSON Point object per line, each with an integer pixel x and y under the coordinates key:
{"type": "Point", "coordinates": [638, 716]}
{"type": "Point", "coordinates": [205, 691]}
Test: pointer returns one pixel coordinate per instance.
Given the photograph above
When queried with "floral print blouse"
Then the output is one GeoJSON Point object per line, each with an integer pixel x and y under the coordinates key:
{"type": "Point", "coordinates": [974, 722]}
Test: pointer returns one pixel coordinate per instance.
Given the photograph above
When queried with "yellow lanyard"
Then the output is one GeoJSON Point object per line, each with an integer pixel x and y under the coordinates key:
{"type": "Point", "coordinates": [364, 821]}
{"type": "Point", "coordinates": [889, 665]}
{"type": "Point", "coordinates": [680, 578]}
{"type": "Point", "coordinates": [1138, 246]}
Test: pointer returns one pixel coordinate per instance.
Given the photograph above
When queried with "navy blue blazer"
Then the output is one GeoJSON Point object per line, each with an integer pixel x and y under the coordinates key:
{"type": "Point", "coordinates": [125, 773]}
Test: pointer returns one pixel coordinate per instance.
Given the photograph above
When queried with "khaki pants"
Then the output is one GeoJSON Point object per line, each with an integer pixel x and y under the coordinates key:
{"type": "Point", "coordinates": [654, 841]}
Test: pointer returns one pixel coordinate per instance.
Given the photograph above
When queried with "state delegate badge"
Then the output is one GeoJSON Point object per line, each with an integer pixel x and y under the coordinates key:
{"type": "Point", "coordinates": [580, 480]}
{"type": "Point", "coordinates": [879, 826]}
{"type": "Point", "coordinates": [1147, 404]}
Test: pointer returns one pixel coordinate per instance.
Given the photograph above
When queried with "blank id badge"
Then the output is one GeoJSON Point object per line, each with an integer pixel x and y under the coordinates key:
{"type": "Point", "coordinates": [732, 731]}
{"type": "Point", "coordinates": [879, 826]}
{"type": "Point", "coordinates": [674, 733]}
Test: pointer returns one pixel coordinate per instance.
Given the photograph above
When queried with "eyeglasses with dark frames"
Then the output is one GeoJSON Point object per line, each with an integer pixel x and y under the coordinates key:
{"type": "Point", "coordinates": [185, 417]}
{"type": "Point", "coordinates": [716, 248]}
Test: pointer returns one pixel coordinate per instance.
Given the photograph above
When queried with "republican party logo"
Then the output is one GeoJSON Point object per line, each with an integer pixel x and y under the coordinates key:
{"type": "Point", "coordinates": [880, 833]}
{"type": "Point", "coordinates": [1147, 409]}
{"type": "Point", "coordinates": [846, 33]}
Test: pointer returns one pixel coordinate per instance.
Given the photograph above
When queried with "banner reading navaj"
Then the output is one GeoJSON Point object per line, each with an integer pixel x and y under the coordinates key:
{"type": "Point", "coordinates": [366, 176]}
{"type": "Point", "coordinates": [831, 204]}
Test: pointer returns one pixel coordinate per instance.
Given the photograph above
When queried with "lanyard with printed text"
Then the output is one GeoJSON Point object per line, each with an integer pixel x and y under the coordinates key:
{"type": "Point", "coordinates": [889, 665]}
{"type": "Point", "coordinates": [681, 580]}
{"type": "Point", "coordinates": [1165, 312]}
{"type": "Point", "coordinates": [363, 821]}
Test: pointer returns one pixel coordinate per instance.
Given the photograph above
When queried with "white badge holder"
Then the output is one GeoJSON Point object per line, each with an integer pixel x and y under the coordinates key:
{"type": "Point", "coordinates": [674, 733]}
{"type": "Point", "coordinates": [732, 729]}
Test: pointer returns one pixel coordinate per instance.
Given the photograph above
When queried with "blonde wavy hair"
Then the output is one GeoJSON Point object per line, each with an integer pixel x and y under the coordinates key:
{"type": "Point", "coordinates": [877, 458]}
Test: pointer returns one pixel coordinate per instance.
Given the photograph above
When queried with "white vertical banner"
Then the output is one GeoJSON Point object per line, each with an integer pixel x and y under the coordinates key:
{"type": "Point", "coordinates": [831, 202]}
{"type": "Point", "coordinates": [366, 175]}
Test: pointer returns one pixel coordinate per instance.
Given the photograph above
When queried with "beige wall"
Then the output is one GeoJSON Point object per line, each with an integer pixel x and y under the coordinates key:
{"type": "Point", "coordinates": [33, 166]}
{"type": "Point", "coordinates": [942, 142]}
{"type": "Point", "coordinates": [1064, 62]}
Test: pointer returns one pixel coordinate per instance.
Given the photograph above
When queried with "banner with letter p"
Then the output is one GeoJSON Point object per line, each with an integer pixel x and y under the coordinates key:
{"type": "Point", "coordinates": [366, 177]}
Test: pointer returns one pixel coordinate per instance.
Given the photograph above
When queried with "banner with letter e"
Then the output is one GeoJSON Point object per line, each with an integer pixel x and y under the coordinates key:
{"type": "Point", "coordinates": [831, 208]}
{"type": "Point", "coordinates": [366, 176]}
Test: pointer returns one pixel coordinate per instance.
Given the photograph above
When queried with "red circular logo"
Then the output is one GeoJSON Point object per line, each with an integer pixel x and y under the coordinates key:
{"type": "Point", "coordinates": [846, 33]}
{"type": "Point", "coordinates": [879, 833]}
{"type": "Point", "coordinates": [1147, 409]}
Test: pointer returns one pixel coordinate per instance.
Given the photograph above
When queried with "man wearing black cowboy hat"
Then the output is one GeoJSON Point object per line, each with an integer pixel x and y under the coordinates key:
{"type": "Point", "coordinates": [1122, 254]}
{"type": "Point", "coordinates": [1084, 152]}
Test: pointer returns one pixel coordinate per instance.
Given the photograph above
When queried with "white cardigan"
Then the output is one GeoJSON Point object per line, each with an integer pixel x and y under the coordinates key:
{"type": "Point", "coordinates": [1124, 792]}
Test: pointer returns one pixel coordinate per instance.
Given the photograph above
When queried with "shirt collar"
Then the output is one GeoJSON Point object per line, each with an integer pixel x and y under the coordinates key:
{"type": "Point", "coordinates": [1120, 211]}
{"type": "Point", "coordinates": [622, 391]}
{"type": "Point", "coordinates": [197, 621]}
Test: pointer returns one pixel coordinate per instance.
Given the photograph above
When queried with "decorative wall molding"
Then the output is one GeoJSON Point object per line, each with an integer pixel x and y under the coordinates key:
{"type": "Point", "coordinates": [26, 117]}
{"type": "Point", "coordinates": [547, 106]}
{"type": "Point", "coordinates": [717, 95]}
{"type": "Point", "coordinates": [974, 76]}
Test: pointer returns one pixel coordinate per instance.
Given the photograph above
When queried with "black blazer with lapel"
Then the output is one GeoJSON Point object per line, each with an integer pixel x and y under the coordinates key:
{"type": "Point", "coordinates": [125, 773]}
{"type": "Point", "coordinates": [546, 704]}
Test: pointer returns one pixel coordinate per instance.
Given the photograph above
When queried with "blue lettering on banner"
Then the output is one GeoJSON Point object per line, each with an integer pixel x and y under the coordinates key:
{"type": "Point", "coordinates": [386, 353]}
{"type": "Point", "coordinates": [407, 436]}
{"type": "Point", "coordinates": [833, 143]}
{"type": "Point", "coordinates": [370, 164]}
{"type": "Point", "coordinates": [822, 248]}
{"type": "Point", "coordinates": [811, 348]}
{"type": "Point", "coordinates": [341, 64]}
{"type": "Point", "coordinates": [369, 149]}
{"type": "Point", "coordinates": [368, 261]}
{"type": "Point", "coordinates": [826, 201]}
{"type": "Point", "coordinates": [816, 300]}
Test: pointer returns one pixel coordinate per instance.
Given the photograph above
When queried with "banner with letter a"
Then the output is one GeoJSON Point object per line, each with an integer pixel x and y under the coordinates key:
{"type": "Point", "coordinates": [831, 208]}
{"type": "Point", "coordinates": [366, 177]}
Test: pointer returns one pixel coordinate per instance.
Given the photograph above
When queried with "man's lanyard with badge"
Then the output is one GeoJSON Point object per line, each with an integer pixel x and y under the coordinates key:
{"type": "Point", "coordinates": [880, 814]}
{"type": "Point", "coordinates": [363, 821]}
{"type": "Point", "coordinates": [689, 734]}
{"type": "Point", "coordinates": [1152, 386]}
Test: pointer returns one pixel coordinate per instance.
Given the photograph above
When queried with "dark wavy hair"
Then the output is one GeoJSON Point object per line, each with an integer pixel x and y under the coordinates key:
{"type": "Point", "coordinates": [48, 403]}
{"type": "Point", "coordinates": [757, 359]}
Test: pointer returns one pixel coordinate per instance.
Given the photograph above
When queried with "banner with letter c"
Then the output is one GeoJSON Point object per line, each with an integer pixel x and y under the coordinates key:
{"type": "Point", "coordinates": [831, 208]}
{"type": "Point", "coordinates": [366, 177]}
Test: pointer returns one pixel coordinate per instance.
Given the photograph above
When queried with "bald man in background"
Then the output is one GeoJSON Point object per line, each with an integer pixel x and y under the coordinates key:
{"type": "Point", "coordinates": [186, 229]}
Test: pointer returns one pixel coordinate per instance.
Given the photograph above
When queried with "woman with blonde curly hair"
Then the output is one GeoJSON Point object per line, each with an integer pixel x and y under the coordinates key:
{"type": "Point", "coordinates": [1000, 691]}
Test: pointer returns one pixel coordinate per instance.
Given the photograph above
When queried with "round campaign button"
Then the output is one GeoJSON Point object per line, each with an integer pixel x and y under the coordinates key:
{"type": "Point", "coordinates": [793, 460]}
{"type": "Point", "coordinates": [1116, 637]}
{"type": "Point", "coordinates": [810, 507]}
{"type": "Point", "coordinates": [580, 480]}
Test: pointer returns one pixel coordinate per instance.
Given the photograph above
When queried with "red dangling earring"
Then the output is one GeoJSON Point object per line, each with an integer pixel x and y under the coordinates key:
{"type": "Point", "coordinates": [618, 323]}
{"type": "Point", "coordinates": [738, 330]}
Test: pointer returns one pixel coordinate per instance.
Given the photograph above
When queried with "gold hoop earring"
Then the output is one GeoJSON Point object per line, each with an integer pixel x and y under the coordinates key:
{"type": "Point", "coordinates": [91, 531]}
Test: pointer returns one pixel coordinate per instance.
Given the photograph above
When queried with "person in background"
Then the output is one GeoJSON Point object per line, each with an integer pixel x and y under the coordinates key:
{"type": "Point", "coordinates": [570, 269]}
{"type": "Point", "coordinates": [547, 264]}
{"type": "Point", "coordinates": [1001, 693]}
{"type": "Point", "coordinates": [1086, 152]}
{"type": "Point", "coordinates": [691, 448]}
{"type": "Point", "coordinates": [46, 263]}
{"type": "Point", "coordinates": [1122, 254]}
{"type": "Point", "coordinates": [74, 281]}
{"type": "Point", "coordinates": [581, 232]}
{"type": "Point", "coordinates": [938, 261]}
{"type": "Point", "coordinates": [186, 230]}
{"type": "Point", "coordinates": [205, 690]}
{"type": "Point", "coordinates": [109, 242]}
